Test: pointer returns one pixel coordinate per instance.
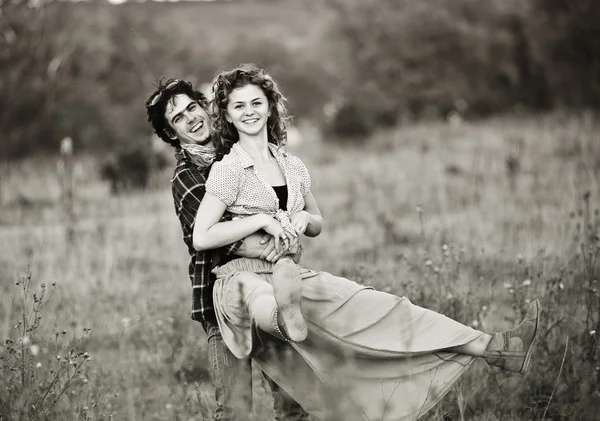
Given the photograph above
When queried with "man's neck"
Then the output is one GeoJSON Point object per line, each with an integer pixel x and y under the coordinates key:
{"type": "Point", "coordinates": [208, 143]}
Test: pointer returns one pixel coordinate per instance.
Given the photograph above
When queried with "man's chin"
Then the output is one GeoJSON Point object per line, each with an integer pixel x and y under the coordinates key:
{"type": "Point", "coordinates": [203, 141]}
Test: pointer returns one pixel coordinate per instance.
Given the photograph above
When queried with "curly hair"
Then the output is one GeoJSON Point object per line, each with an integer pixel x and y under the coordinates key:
{"type": "Point", "coordinates": [156, 105]}
{"type": "Point", "coordinates": [225, 134]}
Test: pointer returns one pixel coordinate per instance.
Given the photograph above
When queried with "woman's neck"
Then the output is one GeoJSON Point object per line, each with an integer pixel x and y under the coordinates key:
{"type": "Point", "coordinates": [256, 146]}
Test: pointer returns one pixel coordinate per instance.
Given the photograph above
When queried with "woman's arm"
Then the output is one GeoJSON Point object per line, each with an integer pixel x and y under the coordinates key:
{"type": "Point", "coordinates": [209, 233]}
{"type": "Point", "coordinates": [308, 221]}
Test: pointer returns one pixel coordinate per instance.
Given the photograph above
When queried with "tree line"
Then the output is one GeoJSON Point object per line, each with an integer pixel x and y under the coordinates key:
{"type": "Point", "coordinates": [83, 70]}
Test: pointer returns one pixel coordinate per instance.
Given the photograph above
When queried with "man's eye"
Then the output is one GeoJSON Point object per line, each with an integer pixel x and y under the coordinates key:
{"type": "Point", "coordinates": [193, 106]}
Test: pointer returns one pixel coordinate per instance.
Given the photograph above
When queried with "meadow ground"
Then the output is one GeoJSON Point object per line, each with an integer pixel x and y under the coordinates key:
{"type": "Point", "coordinates": [473, 220]}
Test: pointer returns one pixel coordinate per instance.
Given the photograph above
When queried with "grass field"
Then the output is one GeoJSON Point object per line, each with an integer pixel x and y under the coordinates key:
{"type": "Point", "coordinates": [473, 220]}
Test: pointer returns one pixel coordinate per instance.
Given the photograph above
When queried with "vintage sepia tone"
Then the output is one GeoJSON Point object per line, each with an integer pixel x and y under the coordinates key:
{"type": "Point", "coordinates": [453, 148]}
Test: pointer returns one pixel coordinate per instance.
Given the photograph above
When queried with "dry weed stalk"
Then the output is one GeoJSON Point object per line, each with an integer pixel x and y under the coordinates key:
{"type": "Point", "coordinates": [37, 372]}
{"type": "Point", "coordinates": [67, 185]}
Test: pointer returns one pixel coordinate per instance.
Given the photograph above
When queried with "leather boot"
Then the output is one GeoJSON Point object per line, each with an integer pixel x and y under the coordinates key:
{"type": "Point", "coordinates": [511, 350]}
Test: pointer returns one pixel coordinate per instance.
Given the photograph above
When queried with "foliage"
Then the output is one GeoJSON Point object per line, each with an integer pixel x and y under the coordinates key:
{"type": "Point", "coordinates": [84, 69]}
{"type": "Point", "coordinates": [566, 35]}
{"type": "Point", "coordinates": [38, 373]}
{"type": "Point", "coordinates": [131, 168]}
{"type": "Point", "coordinates": [427, 57]}
{"type": "Point", "coordinates": [30, 57]}
{"type": "Point", "coordinates": [90, 65]}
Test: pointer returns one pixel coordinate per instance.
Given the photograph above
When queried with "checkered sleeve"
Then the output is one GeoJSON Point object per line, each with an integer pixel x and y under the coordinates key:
{"type": "Point", "coordinates": [203, 310]}
{"type": "Point", "coordinates": [194, 188]}
{"type": "Point", "coordinates": [191, 186]}
{"type": "Point", "coordinates": [188, 189]}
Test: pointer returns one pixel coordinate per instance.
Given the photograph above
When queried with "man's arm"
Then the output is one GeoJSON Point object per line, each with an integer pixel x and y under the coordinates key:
{"type": "Point", "coordinates": [194, 183]}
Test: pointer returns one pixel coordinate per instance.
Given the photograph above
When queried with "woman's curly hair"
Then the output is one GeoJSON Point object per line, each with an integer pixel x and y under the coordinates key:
{"type": "Point", "coordinates": [228, 80]}
{"type": "Point", "coordinates": [156, 105]}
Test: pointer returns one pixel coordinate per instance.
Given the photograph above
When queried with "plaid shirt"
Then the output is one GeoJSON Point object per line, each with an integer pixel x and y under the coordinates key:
{"type": "Point", "coordinates": [188, 190]}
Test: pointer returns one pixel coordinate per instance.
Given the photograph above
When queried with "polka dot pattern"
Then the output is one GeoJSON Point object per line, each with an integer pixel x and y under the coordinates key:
{"type": "Point", "coordinates": [237, 183]}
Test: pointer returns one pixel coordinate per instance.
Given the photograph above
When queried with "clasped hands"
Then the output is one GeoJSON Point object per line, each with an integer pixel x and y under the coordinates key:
{"type": "Point", "coordinates": [280, 242]}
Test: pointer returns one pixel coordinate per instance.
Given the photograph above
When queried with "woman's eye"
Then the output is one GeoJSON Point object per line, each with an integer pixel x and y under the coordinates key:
{"type": "Point", "coordinates": [176, 119]}
{"type": "Point", "coordinates": [257, 103]}
{"type": "Point", "coordinates": [193, 106]}
{"type": "Point", "coordinates": [237, 107]}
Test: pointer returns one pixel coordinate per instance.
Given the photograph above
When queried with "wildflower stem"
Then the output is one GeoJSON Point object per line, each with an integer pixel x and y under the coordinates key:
{"type": "Point", "coordinates": [557, 377]}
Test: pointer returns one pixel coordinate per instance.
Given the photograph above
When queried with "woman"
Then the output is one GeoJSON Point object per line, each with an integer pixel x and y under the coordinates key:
{"type": "Point", "coordinates": [380, 356]}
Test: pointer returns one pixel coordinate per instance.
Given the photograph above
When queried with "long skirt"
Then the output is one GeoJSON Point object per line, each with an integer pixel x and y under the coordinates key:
{"type": "Point", "coordinates": [369, 355]}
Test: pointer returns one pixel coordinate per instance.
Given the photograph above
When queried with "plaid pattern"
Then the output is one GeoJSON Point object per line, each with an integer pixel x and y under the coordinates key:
{"type": "Point", "coordinates": [188, 188]}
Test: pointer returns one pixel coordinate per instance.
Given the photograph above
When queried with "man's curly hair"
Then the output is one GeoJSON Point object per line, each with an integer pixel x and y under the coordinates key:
{"type": "Point", "coordinates": [155, 108]}
{"type": "Point", "coordinates": [225, 134]}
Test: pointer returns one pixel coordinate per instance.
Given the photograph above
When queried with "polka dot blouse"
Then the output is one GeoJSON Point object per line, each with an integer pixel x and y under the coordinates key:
{"type": "Point", "coordinates": [237, 183]}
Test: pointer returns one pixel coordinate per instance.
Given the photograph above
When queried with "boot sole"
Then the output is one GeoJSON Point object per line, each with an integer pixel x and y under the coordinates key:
{"type": "Point", "coordinates": [287, 286]}
{"type": "Point", "coordinates": [527, 361]}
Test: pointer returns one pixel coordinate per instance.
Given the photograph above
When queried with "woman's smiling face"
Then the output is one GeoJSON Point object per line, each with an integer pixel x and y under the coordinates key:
{"type": "Point", "coordinates": [248, 109]}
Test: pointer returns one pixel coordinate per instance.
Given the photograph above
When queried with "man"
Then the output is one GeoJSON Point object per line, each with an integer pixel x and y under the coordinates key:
{"type": "Point", "coordinates": [178, 114]}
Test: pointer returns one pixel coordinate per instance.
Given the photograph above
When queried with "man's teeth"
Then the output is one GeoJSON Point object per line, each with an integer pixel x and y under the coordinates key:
{"type": "Point", "coordinates": [197, 127]}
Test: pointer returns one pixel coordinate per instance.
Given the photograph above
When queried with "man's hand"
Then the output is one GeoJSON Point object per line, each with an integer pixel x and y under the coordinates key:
{"type": "Point", "coordinates": [272, 255]}
{"type": "Point", "coordinates": [253, 245]}
{"type": "Point", "coordinates": [262, 246]}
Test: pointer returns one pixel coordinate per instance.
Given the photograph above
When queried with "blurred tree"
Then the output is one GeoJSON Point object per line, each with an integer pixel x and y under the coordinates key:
{"type": "Point", "coordinates": [31, 57]}
{"type": "Point", "coordinates": [425, 57]}
{"type": "Point", "coordinates": [567, 35]}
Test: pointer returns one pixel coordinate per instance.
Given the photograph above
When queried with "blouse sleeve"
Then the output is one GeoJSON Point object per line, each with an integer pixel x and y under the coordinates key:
{"type": "Point", "coordinates": [305, 181]}
{"type": "Point", "coordinates": [223, 183]}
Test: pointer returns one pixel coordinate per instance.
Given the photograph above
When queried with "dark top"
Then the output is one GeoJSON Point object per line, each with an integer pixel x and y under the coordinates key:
{"type": "Point", "coordinates": [282, 195]}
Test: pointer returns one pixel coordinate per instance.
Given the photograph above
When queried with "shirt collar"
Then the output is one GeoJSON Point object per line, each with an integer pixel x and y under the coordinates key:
{"type": "Point", "coordinates": [245, 159]}
{"type": "Point", "coordinates": [180, 154]}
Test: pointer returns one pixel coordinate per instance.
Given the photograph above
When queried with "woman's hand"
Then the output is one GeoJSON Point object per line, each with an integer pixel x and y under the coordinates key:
{"type": "Point", "coordinates": [300, 221]}
{"type": "Point", "coordinates": [282, 237]}
{"type": "Point", "coordinates": [270, 254]}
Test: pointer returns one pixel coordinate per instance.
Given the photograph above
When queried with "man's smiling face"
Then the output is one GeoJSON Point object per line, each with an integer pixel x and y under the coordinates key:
{"type": "Point", "coordinates": [188, 120]}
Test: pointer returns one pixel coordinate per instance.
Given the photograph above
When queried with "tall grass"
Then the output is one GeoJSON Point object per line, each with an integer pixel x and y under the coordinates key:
{"type": "Point", "coordinates": [471, 220]}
